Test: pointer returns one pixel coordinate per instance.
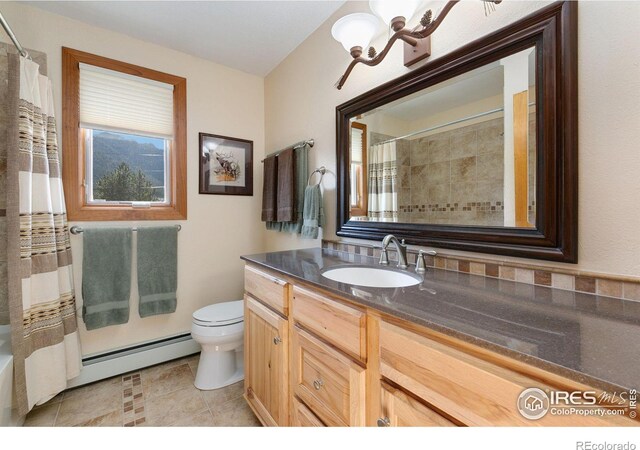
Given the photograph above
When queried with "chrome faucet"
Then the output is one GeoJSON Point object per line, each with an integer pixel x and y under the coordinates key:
{"type": "Point", "coordinates": [401, 248]}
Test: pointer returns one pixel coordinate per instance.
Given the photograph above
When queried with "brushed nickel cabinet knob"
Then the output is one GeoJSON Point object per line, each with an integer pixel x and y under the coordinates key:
{"type": "Point", "coordinates": [384, 422]}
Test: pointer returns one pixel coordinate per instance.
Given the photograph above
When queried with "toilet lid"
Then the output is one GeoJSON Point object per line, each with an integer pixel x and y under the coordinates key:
{"type": "Point", "coordinates": [220, 314]}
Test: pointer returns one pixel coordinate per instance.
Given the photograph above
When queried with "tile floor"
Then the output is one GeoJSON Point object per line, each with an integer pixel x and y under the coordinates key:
{"type": "Point", "coordinates": [162, 395]}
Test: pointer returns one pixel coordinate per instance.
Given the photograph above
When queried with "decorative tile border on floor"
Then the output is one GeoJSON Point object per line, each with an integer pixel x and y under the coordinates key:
{"type": "Point", "coordinates": [133, 400]}
{"type": "Point", "coordinates": [601, 284]}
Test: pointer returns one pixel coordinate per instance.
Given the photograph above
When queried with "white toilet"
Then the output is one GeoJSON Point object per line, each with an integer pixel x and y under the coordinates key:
{"type": "Point", "coordinates": [219, 329]}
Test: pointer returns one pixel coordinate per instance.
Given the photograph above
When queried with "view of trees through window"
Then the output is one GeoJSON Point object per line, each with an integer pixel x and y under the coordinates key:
{"type": "Point", "coordinates": [128, 167]}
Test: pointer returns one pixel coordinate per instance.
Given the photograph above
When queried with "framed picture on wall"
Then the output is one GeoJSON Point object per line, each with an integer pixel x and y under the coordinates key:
{"type": "Point", "coordinates": [226, 165]}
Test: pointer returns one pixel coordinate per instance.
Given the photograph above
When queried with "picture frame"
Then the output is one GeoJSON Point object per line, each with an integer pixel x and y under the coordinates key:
{"type": "Point", "coordinates": [226, 165]}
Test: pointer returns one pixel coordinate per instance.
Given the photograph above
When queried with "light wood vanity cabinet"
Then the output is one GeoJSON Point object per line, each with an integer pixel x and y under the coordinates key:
{"type": "Point", "coordinates": [470, 390]}
{"type": "Point", "coordinates": [313, 360]}
{"type": "Point", "coordinates": [266, 363]}
{"type": "Point", "coordinates": [330, 383]}
{"type": "Point", "coordinates": [266, 347]}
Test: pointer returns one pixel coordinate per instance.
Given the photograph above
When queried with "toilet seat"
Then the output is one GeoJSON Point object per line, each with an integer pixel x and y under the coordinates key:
{"type": "Point", "coordinates": [220, 314]}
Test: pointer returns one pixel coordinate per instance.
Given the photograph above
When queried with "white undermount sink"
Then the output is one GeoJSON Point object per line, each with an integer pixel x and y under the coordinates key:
{"type": "Point", "coordinates": [371, 277]}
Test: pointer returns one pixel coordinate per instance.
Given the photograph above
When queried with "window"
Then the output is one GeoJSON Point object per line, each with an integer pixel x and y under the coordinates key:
{"type": "Point", "coordinates": [124, 168]}
{"type": "Point", "coordinates": [124, 140]}
{"type": "Point", "coordinates": [358, 170]}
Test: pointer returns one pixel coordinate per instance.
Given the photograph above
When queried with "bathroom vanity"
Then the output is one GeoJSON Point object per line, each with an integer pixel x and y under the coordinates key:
{"type": "Point", "coordinates": [453, 350]}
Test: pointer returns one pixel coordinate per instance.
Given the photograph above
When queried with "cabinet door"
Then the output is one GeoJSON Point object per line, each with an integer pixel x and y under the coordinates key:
{"type": "Point", "coordinates": [401, 410]}
{"type": "Point", "coordinates": [266, 360]}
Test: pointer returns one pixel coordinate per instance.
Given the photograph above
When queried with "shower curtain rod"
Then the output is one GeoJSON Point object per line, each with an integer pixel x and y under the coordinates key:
{"type": "Point", "coordinates": [309, 142]}
{"type": "Point", "coordinates": [13, 37]}
{"type": "Point", "coordinates": [437, 127]}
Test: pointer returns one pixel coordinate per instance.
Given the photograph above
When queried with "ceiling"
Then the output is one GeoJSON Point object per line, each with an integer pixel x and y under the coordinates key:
{"type": "Point", "coordinates": [252, 36]}
{"type": "Point", "coordinates": [449, 95]}
{"type": "Point", "coordinates": [479, 84]}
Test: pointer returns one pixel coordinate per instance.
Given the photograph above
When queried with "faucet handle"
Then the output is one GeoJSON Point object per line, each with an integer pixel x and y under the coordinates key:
{"type": "Point", "coordinates": [421, 265]}
{"type": "Point", "coordinates": [384, 257]}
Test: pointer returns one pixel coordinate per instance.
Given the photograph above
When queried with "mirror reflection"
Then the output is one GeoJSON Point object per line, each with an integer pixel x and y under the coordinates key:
{"type": "Point", "coordinates": [461, 152]}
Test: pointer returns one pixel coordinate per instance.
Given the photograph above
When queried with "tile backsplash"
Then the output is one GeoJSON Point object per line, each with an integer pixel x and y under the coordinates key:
{"type": "Point", "coordinates": [600, 284]}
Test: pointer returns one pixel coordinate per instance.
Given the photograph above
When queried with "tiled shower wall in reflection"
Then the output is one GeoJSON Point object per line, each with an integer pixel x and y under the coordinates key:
{"type": "Point", "coordinates": [457, 176]}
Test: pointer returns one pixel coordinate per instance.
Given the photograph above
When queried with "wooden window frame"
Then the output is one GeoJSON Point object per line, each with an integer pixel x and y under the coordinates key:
{"type": "Point", "coordinates": [73, 151]}
{"type": "Point", "coordinates": [363, 205]}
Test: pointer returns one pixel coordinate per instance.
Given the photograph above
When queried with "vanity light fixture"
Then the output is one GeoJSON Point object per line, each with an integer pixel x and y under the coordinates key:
{"type": "Point", "coordinates": [355, 31]}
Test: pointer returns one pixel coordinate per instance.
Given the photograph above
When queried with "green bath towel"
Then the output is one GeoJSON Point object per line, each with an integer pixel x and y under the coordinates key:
{"type": "Point", "coordinates": [106, 276]}
{"type": "Point", "coordinates": [302, 167]}
{"type": "Point", "coordinates": [313, 216]}
{"type": "Point", "coordinates": [157, 270]}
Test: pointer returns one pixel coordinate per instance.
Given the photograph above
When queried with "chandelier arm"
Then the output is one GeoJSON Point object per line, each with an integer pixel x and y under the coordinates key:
{"type": "Point", "coordinates": [400, 34]}
{"type": "Point", "coordinates": [433, 26]}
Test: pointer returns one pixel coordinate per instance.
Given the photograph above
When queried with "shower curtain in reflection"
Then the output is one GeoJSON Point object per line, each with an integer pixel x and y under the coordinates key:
{"type": "Point", "coordinates": [42, 308]}
{"type": "Point", "coordinates": [383, 182]}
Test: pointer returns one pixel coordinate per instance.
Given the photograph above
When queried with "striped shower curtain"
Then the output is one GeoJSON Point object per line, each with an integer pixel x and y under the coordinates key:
{"type": "Point", "coordinates": [383, 182]}
{"type": "Point", "coordinates": [42, 308]}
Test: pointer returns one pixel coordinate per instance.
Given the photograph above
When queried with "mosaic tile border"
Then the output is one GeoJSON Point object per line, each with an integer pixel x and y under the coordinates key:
{"type": "Point", "coordinates": [600, 284]}
{"type": "Point", "coordinates": [133, 401]}
{"type": "Point", "coordinates": [452, 207]}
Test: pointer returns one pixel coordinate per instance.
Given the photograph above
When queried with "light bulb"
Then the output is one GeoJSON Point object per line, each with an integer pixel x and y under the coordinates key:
{"type": "Point", "coordinates": [355, 30]}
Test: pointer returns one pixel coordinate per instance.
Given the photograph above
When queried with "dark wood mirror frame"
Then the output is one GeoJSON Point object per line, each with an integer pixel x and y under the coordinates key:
{"type": "Point", "coordinates": [553, 31]}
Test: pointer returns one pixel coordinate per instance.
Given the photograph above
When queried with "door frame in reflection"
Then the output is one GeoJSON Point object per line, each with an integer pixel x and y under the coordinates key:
{"type": "Point", "coordinates": [361, 206]}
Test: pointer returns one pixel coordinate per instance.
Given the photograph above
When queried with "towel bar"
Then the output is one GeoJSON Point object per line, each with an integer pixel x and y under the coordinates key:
{"type": "Point", "coordinates": [77, 230]}
{"type": "Point", "coordinates": [309, 142]}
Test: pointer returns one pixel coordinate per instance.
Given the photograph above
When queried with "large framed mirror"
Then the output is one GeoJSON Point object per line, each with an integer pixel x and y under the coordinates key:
{"type": "Point", "coordinates": [476, 150]}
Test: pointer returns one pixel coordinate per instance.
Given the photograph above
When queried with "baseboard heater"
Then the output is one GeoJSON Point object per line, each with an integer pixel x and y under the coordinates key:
{"type": "Point", "coordinates": [116, 362]}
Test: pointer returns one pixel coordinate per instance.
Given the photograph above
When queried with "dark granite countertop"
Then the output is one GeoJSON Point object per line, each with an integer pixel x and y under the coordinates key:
{"type": "Point", "coordinates": [588, 338]}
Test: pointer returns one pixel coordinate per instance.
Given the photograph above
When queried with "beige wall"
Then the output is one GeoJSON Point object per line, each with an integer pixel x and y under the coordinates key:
{"type": "Point", "coordinates": [301, 100]}
{"type": "Point", "coordinates": [219, 228]}
{"type": "Point", "coordinates": [297, 101]}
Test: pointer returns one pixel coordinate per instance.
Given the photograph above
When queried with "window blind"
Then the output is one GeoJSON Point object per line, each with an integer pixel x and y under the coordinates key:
{"type": "Point", "coordinates": [356, 145]}
{"type": "Point", "coordinates": [115, 101]}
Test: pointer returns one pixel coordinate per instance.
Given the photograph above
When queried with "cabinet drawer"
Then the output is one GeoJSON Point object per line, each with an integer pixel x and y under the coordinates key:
{"type": "Point", "coordinates": [268, 289]}
{"type": "Point", "coordinates": [301, 416]}
{"type": "Point", "coordinates": [331, 384]}
{"type": "Point", "coordinates": [341, 325]}
{"type": "Point", "coordinates": [466, 388]}
{"type": "Point", "coordinates": [399, 409]}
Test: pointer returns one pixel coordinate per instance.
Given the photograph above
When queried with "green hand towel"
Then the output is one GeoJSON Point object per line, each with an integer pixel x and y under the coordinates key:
{"type": "Point", "coordinates": [313, 213]}
{"type": "Point", "coordinates": [157, 270]}
{"type": "Point", "coordinates": [106, 276]}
